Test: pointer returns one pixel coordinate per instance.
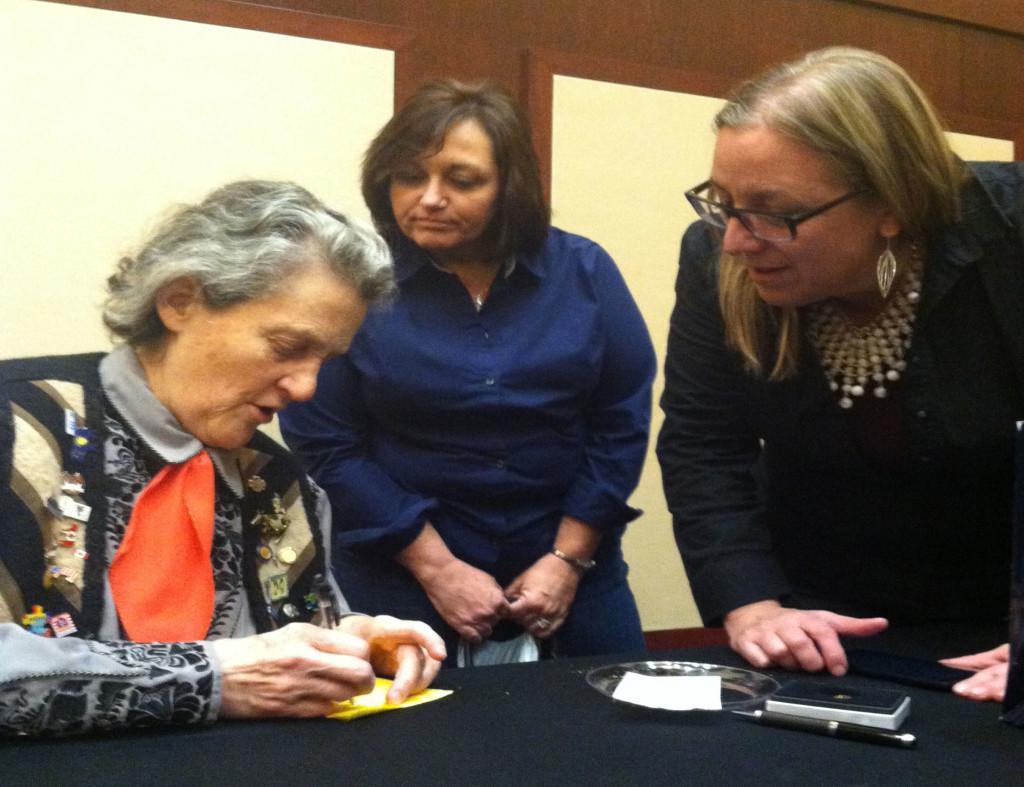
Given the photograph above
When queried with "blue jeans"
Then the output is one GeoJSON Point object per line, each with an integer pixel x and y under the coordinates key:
{"type": "Point", "coordinates": [604, 620]}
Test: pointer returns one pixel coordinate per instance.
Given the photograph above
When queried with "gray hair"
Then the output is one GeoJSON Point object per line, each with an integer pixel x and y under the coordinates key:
{"type": "Point", "coordinates": [240, 244]}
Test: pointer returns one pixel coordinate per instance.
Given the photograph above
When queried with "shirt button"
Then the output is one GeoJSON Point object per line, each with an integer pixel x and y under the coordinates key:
{"type": "Point", "coordinates": [500, 463]}
{"type": "Point", "coordinates": [489, 381]}
{"type": "Point", "coordinates": [487, 334]}
{"type": "Point", "coordinates": [922, 413]}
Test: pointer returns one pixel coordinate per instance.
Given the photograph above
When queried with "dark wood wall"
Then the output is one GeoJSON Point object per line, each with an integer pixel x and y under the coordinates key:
{"type": "Point", "coordinates": [967, 54]}
{"type": "Point", "coordinates": [966, 68]}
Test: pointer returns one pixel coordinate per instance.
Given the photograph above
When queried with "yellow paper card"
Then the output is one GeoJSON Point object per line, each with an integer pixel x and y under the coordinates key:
{"type": "Point", "coordinates": [376, 701]}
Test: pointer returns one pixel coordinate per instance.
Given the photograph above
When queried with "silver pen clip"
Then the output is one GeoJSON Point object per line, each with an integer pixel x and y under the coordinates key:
{"type": "Point", "coordinates": [329, 616]}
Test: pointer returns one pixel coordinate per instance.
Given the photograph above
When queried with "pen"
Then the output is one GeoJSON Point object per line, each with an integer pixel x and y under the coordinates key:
{"type": "Point", "coordinates": [836, 729]}
{"type": "Point", "coordinates": [325, 601]}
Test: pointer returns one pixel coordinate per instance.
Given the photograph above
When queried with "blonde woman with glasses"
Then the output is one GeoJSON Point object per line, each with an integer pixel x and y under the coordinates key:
{"type": "Point", "coordinates": [845, 365]}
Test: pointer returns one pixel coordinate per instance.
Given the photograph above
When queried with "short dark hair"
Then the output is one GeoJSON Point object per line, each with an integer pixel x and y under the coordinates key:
{"type": "Point", "coordinates": [521, 217]}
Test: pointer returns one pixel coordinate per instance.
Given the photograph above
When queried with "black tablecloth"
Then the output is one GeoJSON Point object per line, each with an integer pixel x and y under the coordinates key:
{"type": "Point", "coordinates": [541, 724]}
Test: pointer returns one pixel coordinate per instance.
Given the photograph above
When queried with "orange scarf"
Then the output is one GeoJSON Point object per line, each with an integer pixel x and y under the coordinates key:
{"type": "Point", "coordinates": [161, 576]}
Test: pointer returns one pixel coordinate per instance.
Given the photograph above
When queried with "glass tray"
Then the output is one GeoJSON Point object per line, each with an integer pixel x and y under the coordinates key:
{"type": "Point", "coordinates": [741, 688]}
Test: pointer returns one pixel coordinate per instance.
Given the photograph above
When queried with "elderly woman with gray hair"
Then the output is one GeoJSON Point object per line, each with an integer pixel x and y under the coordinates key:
{"type": "Point", "coordinates": [160, 560]}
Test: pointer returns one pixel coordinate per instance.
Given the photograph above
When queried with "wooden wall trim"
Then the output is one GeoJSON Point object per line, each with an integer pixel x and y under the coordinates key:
{"type": "Point", "coordinates": [1002, 15]}
{"type": "Point", "coordinates": [678, 639]}
{"type": "Point", "coordinates": [268, 19]}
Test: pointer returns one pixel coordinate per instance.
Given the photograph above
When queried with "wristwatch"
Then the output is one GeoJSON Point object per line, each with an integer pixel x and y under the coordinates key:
{"type": "Point", "coordinates": [583, 565]}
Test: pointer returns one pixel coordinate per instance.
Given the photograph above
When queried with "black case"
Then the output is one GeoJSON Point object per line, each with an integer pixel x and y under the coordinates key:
{"type": "Point", "coordinates": [835, 701]}
{"type": "Point", "coordinates": [835, 695]}
{"type": "Point", "coordinates": [904, 669]}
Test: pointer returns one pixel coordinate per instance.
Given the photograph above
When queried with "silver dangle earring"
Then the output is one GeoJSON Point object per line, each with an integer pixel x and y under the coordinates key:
{"type": "Point", "coordinates": [886, 269]}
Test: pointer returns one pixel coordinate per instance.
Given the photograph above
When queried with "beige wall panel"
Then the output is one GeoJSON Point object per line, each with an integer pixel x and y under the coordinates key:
{"type": "Point", "coordinates": [621, 159]}
{"type": "Point", "coordinates": [108, 118]}
{"type": "Point", "coordinates": [971, 147]}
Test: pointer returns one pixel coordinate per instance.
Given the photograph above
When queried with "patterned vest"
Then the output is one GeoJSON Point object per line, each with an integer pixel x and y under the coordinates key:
{"type": "Point", "coordinates": [53, 524]}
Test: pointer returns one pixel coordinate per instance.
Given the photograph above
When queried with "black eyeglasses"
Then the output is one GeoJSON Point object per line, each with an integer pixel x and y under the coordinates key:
{"type": "Point", "coordinates": [765, 225]}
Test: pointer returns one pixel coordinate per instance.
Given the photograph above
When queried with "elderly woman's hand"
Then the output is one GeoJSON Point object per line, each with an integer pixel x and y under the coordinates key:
{"type": "Point", "coordinates": [767, 634]}
{"type": "Point", "coordinates": [407, 650]}
{"type": "Point", "coordinates": [298, 670]}
{"type": "Point", "coordinates": [989, 681]}
{"type": "Point", "coordinates": [542, 595]}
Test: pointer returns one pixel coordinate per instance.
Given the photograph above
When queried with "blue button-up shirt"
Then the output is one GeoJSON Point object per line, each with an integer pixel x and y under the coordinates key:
{"type": "Point", "coordinates": [492, 423]}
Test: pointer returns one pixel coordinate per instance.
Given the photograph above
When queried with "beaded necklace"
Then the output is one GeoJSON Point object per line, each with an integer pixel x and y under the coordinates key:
{"type": "Point", "coordinates": [858, 357]}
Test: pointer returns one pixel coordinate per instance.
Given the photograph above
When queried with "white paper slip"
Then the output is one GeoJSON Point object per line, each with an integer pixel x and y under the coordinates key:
{"type": "Point", "coordinates": [671, 692]}
{"type": "Point", "coordinates": [73, 509]}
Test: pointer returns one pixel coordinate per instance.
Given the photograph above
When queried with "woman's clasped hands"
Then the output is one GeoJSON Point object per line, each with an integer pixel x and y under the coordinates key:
{"type": "Point", "coordinates": [473, 603]}
{"type": "Point", "coordinates": [301, 670]}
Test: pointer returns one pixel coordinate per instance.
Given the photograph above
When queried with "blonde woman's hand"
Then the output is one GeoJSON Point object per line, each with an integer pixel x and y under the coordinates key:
{"type": "Point", "coordinates": [989, 680]}
{"type": "Point", "coordinates": [769, 635]}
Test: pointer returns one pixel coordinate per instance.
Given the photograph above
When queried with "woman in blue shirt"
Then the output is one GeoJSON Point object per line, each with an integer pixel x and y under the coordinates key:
{"type": "Point", "coordinates": [480, 439]}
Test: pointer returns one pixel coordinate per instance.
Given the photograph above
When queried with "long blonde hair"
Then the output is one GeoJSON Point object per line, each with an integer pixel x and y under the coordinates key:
{"type": "Point", "coordinates": [879, 131]}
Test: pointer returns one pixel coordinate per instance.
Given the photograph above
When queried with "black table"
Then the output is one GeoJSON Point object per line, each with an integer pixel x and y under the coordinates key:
{"type": "Point", "coordinates": [541, 724]}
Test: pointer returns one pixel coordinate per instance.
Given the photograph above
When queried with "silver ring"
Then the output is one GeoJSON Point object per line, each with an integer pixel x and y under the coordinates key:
{"type": "Point", "coordinates": [542, 623]}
